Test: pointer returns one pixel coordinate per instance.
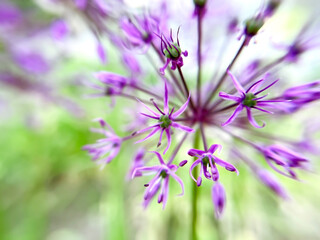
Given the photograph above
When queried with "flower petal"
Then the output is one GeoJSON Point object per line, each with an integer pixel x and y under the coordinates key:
{"type": "Point", "coordinates": [139, 169]}
{"type": "Point", "coordinates": [150, 135]}
{"type": "Point", "coordinates": [181, 109]}
{"type": "Point", "coordinates": [166, 98]}
{"type": "Point", "coordinates": [236, 83]}
{"type": "Point", "coordinates": [195, 152]}
{"type": "Point", "coordinates": [214, 148]}
{"type": "Point", "coordinates": [165, 191]}
{"type": "Point", "coordinates": [146, 129]}
{"type": "Point", "coordinates": [254, 86]}
{"type": "Point", "coordinates": [182, 127]}
{"type": "Point", "coordinates": [192, 167]}
{"type": "Point", "coordinates": [263, 110]}
{"type": "Point", "coordinates": [180, 182]}
{"type": "Point", "coordinates": [159, 157]}
{"type": "Point", "coordinates": [155, 114]}
{"type": "Point", "coordinates": [234, 115]}
{"type": "Point", "coordinates": [252, 120]}
{"type": "Point", "coordinates": [270, 85]}
{"type": "Point", "coordinates": [226, 165]}
{"type": "Point", "coordinates": [227, 96]}
{"type": "Point", "coordinates": [169, 140]}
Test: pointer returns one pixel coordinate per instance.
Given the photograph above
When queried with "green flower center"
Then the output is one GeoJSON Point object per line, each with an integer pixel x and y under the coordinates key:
{"type": "Point", "coordinates": [165, 121]}
{"type": "Point", "coordinates": [248, 101]}
{"type": "Point", "coordinates": [163, 174]}
{"type": "Point", "coordinates": [173, 52]}
{"type": "Point", "coordinates": [205, 161]}
{"type": "Point", "coordinates": [199, 3]}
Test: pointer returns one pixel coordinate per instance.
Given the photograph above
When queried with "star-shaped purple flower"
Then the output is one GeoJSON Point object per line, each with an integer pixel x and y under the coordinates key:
{"type": "Point", "coordinates": [106, 148]}
{"type": "Point", "coordinates": [139, 31]}
{"type": "Point", "coordinates": [207, 159]}
{"type": "Point", "coordinates": [172, 51]}
{"type": "Point", "coordinates": [166, 120]}
{"type": "Point", "coordinates": [282, 157]}
{"type": "Point", "coordinates": [248, 99]}
{"type": "Point", "coordinates": [160, 181]}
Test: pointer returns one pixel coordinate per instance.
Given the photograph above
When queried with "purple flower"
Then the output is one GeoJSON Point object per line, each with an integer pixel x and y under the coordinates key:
{"type": "Point", "coordinates": [207, 159]}
{"type": "Point", "coordinates": [160, 181]}
{"type": "Point", "coordinates": [218, 195]}
{"type": "Point", "coordinates": [114, 84]}
{"type": "Point", "coordinates": [301, 44]}
{"type": "Point", "coordinates": [248, 99]}
{"type": "Point", "coordinates": [32, 62]}
{"type": "Point", "coordinates": [165, 118]}
{"type": "Point", "coordinates": [59, 30]}
{"type": "Point", "coordinates": [139, 31]}
{"type": "Point", "coordinates": [9, 14]}
{"type": "Point", "coordinates": [105, 149]}
{"type": "Point", "coordinates": [299, 96]}
{"type": "Point", "coordinates": [281, 157]}
{"type": "Point", "coordinates": [172, 51]}
{"type": "Point", "coordinates": [112, 79]}
{"type": "Point", "coordinates": [271, 182]}
{"type": "Point", "coordinates": [81, 4]}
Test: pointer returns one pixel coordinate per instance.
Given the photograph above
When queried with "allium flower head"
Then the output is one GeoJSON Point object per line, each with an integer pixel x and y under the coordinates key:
{"type": "Point", "coordinates": [208, 160]}
{"type": "Point", "coordinates": [160, 181]}
{"type": "Point", "coordinates": [248, 99]}
{"type": "Point", "coordinates": [148, 33]}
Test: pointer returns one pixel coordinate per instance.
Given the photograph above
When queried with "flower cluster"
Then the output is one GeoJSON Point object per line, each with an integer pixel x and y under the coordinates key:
{"type": "Point", "coordinates": [198, 110]}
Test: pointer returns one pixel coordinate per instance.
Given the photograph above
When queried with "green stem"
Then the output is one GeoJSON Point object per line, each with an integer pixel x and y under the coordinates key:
{"type": "Point", "coordinates": [199, 60]}
{"type": "Point", "coordinates": [223, 77]}
{"type": "Point", "coordinates": [185, 87]}
{"type": "Point", "coordinates": [195, 193]}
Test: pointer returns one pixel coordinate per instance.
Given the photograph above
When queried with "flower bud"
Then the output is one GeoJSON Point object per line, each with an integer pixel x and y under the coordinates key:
{"type": "Point", "coordinates": [253, 26]}
{"type": "Point", "coordinates": [218, 198]}
{"type": "Point", "coordinates": [271, 7]}
{"type": "Point", "coordinates": [199, 3]}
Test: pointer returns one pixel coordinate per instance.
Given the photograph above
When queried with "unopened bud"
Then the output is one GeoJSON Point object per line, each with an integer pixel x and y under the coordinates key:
{"type": "Point", "coordinates": [253, 26]}
{"type": "Point", "coordinates": [200, 3]}
{"type": "Point", "coordinates": [218, 198]}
